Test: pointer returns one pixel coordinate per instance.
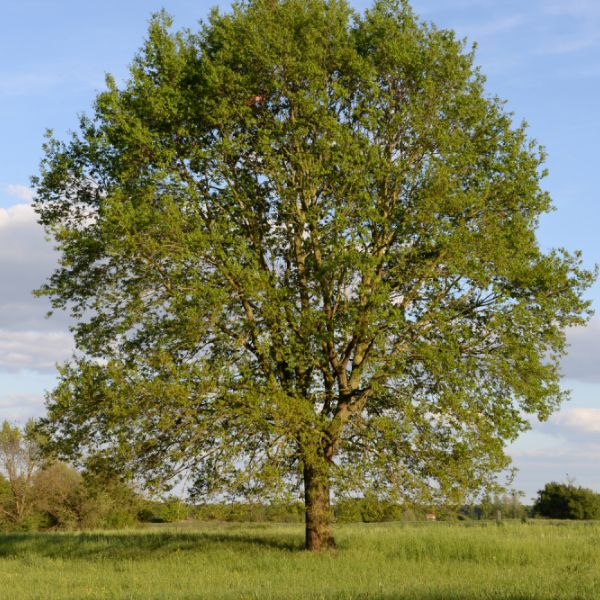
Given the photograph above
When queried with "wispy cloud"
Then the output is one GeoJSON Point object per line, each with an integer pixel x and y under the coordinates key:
{"type": "Point", "coordinates": [19, 407]}
{"type": "Point", "coordinates": [476, 30]}
{"type": "Point", "coordinates": [497, 26]}
{"type": "Point", "coordinates": [585, 41]}
{"type": "Point", "coordinates": [24, 84]}
{"type": "Point", "coordinates": [427, 7]}
{"type": "Point", "coordinates": [584, 420]}
{"type": "Point", "coordinates": [573, 8]}
{"type": "Point", "coordinates": [591, 71]}
{"type": "Point", "coordinates": [581, 18]}
{"type": "Point", "coordinates": [63, 78]}
{"type": "Point", "coordinates": [22, 192]}
{"type": "Point", "coordinates": [33, 350]}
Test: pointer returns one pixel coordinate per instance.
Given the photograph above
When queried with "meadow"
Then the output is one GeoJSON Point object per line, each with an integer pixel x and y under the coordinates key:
{"type": "Point", "coordinates": [425, 561]}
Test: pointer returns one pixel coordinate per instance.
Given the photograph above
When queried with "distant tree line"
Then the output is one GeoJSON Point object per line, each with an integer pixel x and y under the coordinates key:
{"type": "Point", "coordinates": [41, 494]}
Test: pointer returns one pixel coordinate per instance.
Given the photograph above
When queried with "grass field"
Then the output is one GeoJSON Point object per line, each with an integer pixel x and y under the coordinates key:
{"type": "Point", "coordinates": [429, 561]}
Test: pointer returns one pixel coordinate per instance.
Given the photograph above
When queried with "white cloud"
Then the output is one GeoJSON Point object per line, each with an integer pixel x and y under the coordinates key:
{"type": "Point", "coordinates": [33, 350]}
{"type": "Point", "coordinates": [559, 454]}
{"type": "Point", "coordinates": [584, 420]}
{"type": "Point", "coordinates": [567, 444]}
{"type": "Point", "coordinates": [18, 214]}
{"type": "Point", "coordinates": [28, 341]}
{"type": "Point", "coordinates": [26, 260]}
{"type": "Point", "coordinates": [20, 191]}
{"type": "Point", "coordinates": [20, 407]}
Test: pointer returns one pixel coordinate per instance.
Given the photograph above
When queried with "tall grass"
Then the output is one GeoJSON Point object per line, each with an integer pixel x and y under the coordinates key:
{"type": "Point", "coordinates": [429, 561]}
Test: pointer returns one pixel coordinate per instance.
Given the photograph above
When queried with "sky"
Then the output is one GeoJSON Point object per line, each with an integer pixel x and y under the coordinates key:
{"type": "Point", "coordinates": [542, 56]}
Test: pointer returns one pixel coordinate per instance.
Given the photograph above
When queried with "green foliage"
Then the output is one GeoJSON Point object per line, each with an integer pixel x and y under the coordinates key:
{"type": "Point", "coordinates": [36, 495]}
{"type": "Point", "coordinates": [170, 510]}
{"type": "Point", "coordinates": [20, 459]}
{"type": "Point", "coordinates": [371, 510]}
{"type": "Point", "coordinates": [567, 501]}
{"type": "Point", "coordinates": [301, 241]}
{"type": "Point", "coordinates": [65, 499]}
{"type": "Point", "coordinates": [5, 504]}
{"type": "Point", "coordinates": [110, 503]}
{"type": "Point", "coordinates": [60, 497]}
{"type": "Point", "coordinates": [246, 512]}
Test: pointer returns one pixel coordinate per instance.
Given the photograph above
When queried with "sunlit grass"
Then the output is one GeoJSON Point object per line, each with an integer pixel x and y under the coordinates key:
{"type": "Point", "coordinates": [430, 561]}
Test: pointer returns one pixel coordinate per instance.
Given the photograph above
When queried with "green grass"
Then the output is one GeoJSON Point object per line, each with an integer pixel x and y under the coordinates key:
{"type": "Point", "coordinates": [429, 561]}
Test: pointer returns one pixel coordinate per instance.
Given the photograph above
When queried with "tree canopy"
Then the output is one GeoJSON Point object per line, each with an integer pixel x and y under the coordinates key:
{"type": "Point", "coordinates": [300, 247]}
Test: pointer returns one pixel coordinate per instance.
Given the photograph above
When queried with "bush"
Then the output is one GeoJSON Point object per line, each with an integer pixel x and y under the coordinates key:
{"type": "Point", "coordinates": [109, 503]}
{"type": "Point", "coordinates": [567, 501]}
{"type": "Point", "coordinates": [276, 512]}
{"type": "Point", "coordinates": [168, 511]}
{"type": "Point", "coordinates": [59, 497]}
{"type": "Point", "coordinates": [369, 509]}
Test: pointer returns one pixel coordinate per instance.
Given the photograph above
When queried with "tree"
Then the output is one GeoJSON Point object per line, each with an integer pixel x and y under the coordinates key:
{"type": "Point", "coordinates": [109, 502]}
{"type": "Point", "coordinates": [59, 495]}
{"type": "Point", "coordinates": [20, 460]}
{"type": "Point", "coordinates": [300, 248]}
{"type": "Point", "coordinates": [567, 501]}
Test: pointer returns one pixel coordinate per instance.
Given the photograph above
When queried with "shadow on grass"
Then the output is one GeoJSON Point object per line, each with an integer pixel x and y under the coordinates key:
{"type": "Point", "coordinates": [134, 545]}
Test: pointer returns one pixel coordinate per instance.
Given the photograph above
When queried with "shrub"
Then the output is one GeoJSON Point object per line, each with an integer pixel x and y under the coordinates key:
{"type": "Point", "coordinates": [167, 511]}
{"type": "Point", "coordinates": [109, 503]}
{"type": "Point", "coordinates": [567, 501]}
{"type": "Point", "coordinates": [59, 497]}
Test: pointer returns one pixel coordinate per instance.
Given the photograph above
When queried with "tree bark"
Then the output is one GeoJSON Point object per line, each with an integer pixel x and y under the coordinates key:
{"type": "Point", "coordinates": [319, 535]}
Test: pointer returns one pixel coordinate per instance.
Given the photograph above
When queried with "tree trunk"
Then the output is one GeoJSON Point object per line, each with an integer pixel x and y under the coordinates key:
{"type": "Point", "coordinates": [319, 535]}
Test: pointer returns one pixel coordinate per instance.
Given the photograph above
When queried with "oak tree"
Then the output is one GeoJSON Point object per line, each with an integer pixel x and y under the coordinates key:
{"type": "Point", "coordinates": [300, 248]}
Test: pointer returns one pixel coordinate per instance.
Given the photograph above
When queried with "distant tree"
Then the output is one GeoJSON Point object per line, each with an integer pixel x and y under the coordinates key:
{"type": "Point", "coordinates": [512, 506]}
{"type": "Point", "coordinates": [59, 495]}
{"type": "Point", "coordinates": [300, 248]}
{"type": "Point", "coordinates": [20, 459]}
{"type": "Point", "coordinates": [567, 501]}
{"type": "Point", "coordinates": [109, 502]}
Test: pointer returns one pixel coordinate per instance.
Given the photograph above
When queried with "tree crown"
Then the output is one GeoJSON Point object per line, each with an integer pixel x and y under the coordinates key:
{"type": "Point", "coordinates": [297, 233]}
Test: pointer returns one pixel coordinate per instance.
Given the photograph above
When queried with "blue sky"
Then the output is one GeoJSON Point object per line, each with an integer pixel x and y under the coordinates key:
{"type": "Point", "coordinates": [542, 56]}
